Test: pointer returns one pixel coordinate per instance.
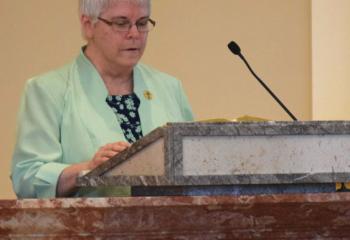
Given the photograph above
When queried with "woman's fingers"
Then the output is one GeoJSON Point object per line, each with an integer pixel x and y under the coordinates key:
{"type": "Point", "coordinates": [107, 151]}
{"type": "Point", "coordinates": [118, 146]}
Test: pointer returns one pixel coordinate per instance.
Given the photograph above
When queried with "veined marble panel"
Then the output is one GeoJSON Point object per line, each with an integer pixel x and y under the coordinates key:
{"type": "Point", "coordinates": [266, 217]}
{"type": "Point", "coordinates": [279, 154]}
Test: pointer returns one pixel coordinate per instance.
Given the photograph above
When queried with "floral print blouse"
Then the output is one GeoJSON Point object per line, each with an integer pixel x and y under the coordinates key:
{"type": "Point", "coordinates": [126, 108]}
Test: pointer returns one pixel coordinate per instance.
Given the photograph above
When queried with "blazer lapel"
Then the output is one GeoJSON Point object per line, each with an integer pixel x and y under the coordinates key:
{"type": "Point", "coordinates": [151, 112]}
{"type": "Point", "coordinates": [98, 118]}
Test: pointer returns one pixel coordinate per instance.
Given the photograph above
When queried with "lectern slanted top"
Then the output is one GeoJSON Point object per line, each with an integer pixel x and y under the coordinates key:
{"type": "Point", "coordinates": [209, 154]}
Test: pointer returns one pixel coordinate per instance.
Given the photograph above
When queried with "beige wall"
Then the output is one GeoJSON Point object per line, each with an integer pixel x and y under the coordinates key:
{"type": "Point", "coordinates": [331, 59]}
{"type": "Point", "coordinates": [189, 42]}
{"type": "Point", "coordinates": [36, 35]}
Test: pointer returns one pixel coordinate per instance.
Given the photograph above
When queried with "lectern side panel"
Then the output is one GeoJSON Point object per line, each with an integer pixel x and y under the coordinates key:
{"type": "Point", "coordinates": [265, 155]}
{"type": "Point", "coordinates": [147, 162]}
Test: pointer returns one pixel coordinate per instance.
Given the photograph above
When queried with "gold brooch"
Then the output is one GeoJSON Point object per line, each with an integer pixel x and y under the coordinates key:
{"type": "Point", "coordinates": [148, 95]}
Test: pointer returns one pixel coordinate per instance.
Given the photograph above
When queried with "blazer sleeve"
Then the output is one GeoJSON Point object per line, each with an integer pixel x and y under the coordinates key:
{"type": "Point", "coordinates": [186, 110]}
{"type": "Point", "coordinates": [37, 158]}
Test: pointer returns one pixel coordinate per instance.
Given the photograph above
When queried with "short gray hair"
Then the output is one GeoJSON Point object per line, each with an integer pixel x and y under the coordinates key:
{"type": "Point", "coordinates": [94, 8]}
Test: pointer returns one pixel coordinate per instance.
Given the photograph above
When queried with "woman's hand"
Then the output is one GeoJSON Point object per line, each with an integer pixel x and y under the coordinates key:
{"type": "Point", "coordinates": [67, 180]}
{"type": "Point", "coordinates": [106, 152]}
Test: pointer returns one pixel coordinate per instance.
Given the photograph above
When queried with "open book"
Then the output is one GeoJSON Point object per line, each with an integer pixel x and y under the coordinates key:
{"type": "Point", "coordinates": [244, 118]}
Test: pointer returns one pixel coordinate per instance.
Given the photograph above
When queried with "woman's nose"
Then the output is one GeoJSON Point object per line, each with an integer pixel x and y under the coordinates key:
{"type": "Point", "coordinates": [133, 32]}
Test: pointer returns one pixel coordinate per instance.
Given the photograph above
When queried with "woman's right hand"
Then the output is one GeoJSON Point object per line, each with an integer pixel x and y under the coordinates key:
{"type": "Point", "coordinates": [106, 152]}
{"type": "Point", "coordinates": [67, 180]}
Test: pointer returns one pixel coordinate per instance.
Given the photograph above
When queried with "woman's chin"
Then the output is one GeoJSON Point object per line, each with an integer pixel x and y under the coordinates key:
{"type": "Point", "coordinates": [129, 63]}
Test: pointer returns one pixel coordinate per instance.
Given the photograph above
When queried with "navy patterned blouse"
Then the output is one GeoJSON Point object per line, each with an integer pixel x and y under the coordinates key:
{"type": "Point", "coordinates": [126, 108]}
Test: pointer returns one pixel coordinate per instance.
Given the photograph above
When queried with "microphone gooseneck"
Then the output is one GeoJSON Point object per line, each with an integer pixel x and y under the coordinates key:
{"type": "Point", "coordinates": [235, 49]}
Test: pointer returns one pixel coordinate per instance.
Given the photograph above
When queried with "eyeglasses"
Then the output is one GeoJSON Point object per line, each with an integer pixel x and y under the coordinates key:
{"type": "Point", "coordinates": [124, 25]}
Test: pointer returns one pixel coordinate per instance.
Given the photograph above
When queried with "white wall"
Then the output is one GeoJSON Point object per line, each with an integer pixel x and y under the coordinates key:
{"type": "Point", "coordinates": [331, 59]}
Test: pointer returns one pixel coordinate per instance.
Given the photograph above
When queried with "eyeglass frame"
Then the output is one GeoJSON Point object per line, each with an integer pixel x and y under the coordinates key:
{"type": "Point", "coordinates": [113, 23]}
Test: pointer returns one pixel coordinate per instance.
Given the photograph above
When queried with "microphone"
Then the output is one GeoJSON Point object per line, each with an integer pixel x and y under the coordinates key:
{"type": "Point", "coordinates": [235, 49]}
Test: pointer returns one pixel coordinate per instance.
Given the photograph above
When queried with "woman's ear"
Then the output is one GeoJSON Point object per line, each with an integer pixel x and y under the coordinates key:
{"type": "Point", "coordinates": [87, 26]}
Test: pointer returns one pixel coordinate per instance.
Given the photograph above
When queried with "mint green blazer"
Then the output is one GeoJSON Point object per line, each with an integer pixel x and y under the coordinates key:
{"type": "Point", "coordinates": [64, 119]}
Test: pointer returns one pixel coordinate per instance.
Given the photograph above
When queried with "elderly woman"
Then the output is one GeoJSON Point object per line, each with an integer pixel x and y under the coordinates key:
{"type": "Point", "coordinates": [79, 116]}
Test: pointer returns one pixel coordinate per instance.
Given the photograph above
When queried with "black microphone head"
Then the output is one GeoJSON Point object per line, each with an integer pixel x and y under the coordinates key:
{"type": "Point", "coordinates": [235, 49]}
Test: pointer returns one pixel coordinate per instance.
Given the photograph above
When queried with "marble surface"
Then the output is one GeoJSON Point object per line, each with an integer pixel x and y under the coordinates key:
{"type": "Point", "coordinates": [307, 216]}
{"type": "Point", "coordinates": [148, 162]}
{"type": "Point", "coordinates": [249, 155]}
{"type": "Point", "coordinates": [236, 153]}
{"type": "Point", "coordinates": [127, 154]}
{"type": "Point", "coordinates": [264, 163]}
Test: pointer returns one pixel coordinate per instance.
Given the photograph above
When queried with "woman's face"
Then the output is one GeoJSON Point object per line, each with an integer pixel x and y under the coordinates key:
{"type": "Point", "coordinates": [120, 49]}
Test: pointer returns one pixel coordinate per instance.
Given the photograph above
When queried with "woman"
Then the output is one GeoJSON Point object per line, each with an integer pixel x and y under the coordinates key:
{"type": "Point", "coordinates": [77, 117]}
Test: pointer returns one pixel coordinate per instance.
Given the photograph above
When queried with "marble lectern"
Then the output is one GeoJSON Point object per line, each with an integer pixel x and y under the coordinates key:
{"type": "Point", "coordinates": [258, 156]}
{"type": "Point", "coordinates": [256, 165]}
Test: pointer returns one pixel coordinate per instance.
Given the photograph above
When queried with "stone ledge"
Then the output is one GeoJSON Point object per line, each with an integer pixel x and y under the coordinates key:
{"type": "Point", "coordinates": [322, 216]}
